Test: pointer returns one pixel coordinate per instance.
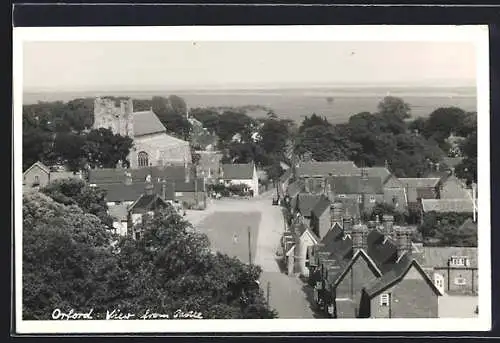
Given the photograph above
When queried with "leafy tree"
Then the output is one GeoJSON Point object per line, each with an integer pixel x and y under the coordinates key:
{"type": "Point", "coordinates": [314, 120]}
{"type": "Point", "coordinates": [77, 192]}
{"type": "Point", "coordinates": [467, 169]}
{"type": "Point", "coordinates": [444, 229]}
{"type": "Point", "coordinates": [381, 209]}
{"type": "Point", "coordinates": [104, 149]}
{"type": "Point", "coordinates": [394, 106]}
{"type": "Point", "coordinates": [231, 123]}
{"type": "Point", "coordinates": [444, 121]}
{"type": "Point", "coordinates": [208, 117]}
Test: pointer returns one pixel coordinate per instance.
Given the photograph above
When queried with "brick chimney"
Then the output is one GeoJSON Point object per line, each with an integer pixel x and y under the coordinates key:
{"type": "Point", "coordinates": [388, 223]}
{"type": "Point", "coordinates": [359, 237]}
{"type": "Point", "coordinates": [402, 237]}
{"type": "Point", "coordinates": [148, 187]}
{"type": "Point", "coordinates": [128, 178]}
{"type": "Point", "coordinates": [347, 224]}
{"type": "Point", "coordinates": [336, 212]}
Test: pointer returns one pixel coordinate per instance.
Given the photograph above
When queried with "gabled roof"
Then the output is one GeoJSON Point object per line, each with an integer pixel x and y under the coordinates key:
{"type": "Point", "coordinates": [448, 205]}
{"type": "Point", "coordinates": [315, 169]}
{"type": "Point", "coordinates": [399, 194]}
{"type": "Point", "coordinates": [351, 207]}
{"type": "Point", "coordinates": [381, 172]}
{"type": "Point", "coordinates": [197, 185]}
{"type": "Point", "coordinates": [321, 206]}
{"type": "Point", "coordinates": [241, 171]}
{"type": "Point", "coordinates": [306, 202]}
{"type": "Point", "coordinates": [436, 257]}
{"type": "Point", "coordinates": [398, 272]}
{"type": "Point", "coordinates": [295, 188]}
{"type": "Point", "coordinates": [61, 175]}
{"type": "Point", "coordinates": [420, 182]}
{"type": "Point", "coordinates": [122, 192]}
{"type": "Point", "coordinates": [443, 175]}
{"type": "Point", "coordinates": [146, 123]}
{"type": "Point", "coordinates": [359, 254]}
{"type": "Point", "coordinates": [39, 165]}
{"type": "Point", "coordinates": [286, 175]}
{"type": "Point", "coordinates": [148, 202]}
{"type": "Point", "coordinates": [118, 212]}
{"type": "Point", "coordinates": [355, 185]}
{"type": "Point", "coordinates": [425, 193]}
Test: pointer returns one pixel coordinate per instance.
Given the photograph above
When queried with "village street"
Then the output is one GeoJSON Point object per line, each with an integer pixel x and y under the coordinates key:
{"type": "Point", "coordinates": [227, 222]}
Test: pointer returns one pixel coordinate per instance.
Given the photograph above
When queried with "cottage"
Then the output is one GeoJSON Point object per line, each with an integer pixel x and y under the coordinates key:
{"type": "Point", "coordinates": [237, 174]}
{"type": "Point", "coordinates": [39, 175]}
{"type": "Point", "coordinates": [298, 254]}
{"type": "Point", "coordinates": [454, 270]}
{"type": "Point", "coordinates": [370, 273]}
{"type": "Point", "coordinates": [305, 203]}
{"type": "Point", "coordinates": [366, 190]}
{"type": "Point", "coordinates": [314, 173]}
{"type": "Point", "coordinates": [191, 193]}
{"type": "Point", "coordinates": [420, 188]}
{"type": "Point", "coordinates": [394, 191]}
{"type": "Point", "coordinates": [208, 165]}
{"type": "Point", "coordinates": [146, 205]}
{"type": "Point", "coordinates": [321, 217]}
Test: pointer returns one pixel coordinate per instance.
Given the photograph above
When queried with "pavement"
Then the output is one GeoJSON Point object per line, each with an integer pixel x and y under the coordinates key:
{"type": "Point", "coordinates": [227, 223]}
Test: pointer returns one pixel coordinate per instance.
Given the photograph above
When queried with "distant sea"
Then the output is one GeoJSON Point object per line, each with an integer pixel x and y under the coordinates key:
{"type": "Point", "coordinates": [336, 104]}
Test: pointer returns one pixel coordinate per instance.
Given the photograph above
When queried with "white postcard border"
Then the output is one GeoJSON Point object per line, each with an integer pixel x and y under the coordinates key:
{"type": "Point", "coordinates": [477, 34]}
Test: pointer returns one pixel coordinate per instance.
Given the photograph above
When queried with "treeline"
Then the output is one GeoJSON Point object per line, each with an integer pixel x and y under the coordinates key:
{"type": "Point", "coordinates": [72, 261]}
{"type": "Point", "coordinates": [410, 147]}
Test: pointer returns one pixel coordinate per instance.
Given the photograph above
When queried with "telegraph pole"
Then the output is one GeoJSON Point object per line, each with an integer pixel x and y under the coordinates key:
{"type": "Point", "coordinates": [249, 248]}
{"type": "Point", "coordinates": [268, 292]}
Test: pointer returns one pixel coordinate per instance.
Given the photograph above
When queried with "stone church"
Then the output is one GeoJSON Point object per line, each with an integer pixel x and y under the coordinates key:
{"type": "Point", "coordinates": [152, 145]}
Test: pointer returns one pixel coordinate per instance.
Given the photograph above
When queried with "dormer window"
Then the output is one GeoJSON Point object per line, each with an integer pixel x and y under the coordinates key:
{"type": "Point", "coordinates": [372, 198]}
{"type": "Point", "coordinates": [384, 299]}
{"type": "Point", "coordinates": [459, 261]}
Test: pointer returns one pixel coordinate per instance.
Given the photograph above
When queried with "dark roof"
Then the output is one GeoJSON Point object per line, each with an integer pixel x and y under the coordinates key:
{"type": "Point", "coordinates": [420, 182]}
{"type": "Point", "coordinates": [242, 171]}
{"type": "Point", "coordinates": [395, 275]}
{"type": "Point", "coordinates": [425, 193]}
{"type": "Point", "coordinates": [355, 185]}
{"type": "Point", "coordinates": [399, 194]}
{"type": "Point", "coordinates": [122, 192]}
{"type": "Point", "coordinates": [39, 165]}
{"type": "Point", "coordinates": [321, 206]}
{"type": "Point", "coordinates": [351, 207]}
{"type": "Point", "coordinates": [146, 202]}
{"type": "Point", "coordinates": [181, 185]}
{"type": "Point", "coordinates": [306, 202]}
{"type": "Point", "coordinates": [295, 188]}
{"type": "Point", "coordinates": [286, 175]}
{"type": "Point", "coordinates": [443, 175]}
{"type": "Point", "coordinates": [111, 175]}
{"type": "Point", "coordinates": [146, 123]}
{"type": "Point", "coordinates": [312, 169]}
{"type": "Point", "coordinates": [436, 257]}
{"type": "Point", "coordinates": [381, 172]}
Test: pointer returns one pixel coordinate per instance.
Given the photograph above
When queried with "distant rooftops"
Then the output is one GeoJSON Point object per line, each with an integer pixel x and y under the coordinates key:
{"type": "Point", "coordinates": [323, 169]}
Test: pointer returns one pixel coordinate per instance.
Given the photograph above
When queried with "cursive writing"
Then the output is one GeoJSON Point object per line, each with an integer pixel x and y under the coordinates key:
{"type": "Point", "coordinates": [116, 314]}
{"type": "Point", "coordinates": [72, 314]}
{"type": "Point", "coordinates": [190, 314]}
{"type": "Point", "coordinates": [154, 315]}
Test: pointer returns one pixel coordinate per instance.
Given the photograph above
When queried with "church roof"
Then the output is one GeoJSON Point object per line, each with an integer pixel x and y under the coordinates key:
{"type": "Point", "coordinates": [146, 123]}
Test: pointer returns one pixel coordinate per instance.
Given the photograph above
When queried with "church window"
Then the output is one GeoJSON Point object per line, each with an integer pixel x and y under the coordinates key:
{"type": "Point", "coordinates": [142, 159]}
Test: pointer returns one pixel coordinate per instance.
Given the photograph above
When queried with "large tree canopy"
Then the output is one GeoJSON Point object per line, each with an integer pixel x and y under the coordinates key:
{"type": "Point", "coordinates": [71, 261]}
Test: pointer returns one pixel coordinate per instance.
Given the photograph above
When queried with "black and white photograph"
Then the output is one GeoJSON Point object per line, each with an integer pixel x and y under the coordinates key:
{"type": "Point", "coordinates": [288, 179]}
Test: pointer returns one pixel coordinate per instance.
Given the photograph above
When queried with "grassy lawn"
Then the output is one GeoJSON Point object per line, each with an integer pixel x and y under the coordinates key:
{"type": "Point", "coordinates": [228, 232]}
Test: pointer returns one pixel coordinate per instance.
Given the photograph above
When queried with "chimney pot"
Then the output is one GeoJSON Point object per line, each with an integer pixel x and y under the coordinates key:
{"type": "Point", "coordinates": [359, 237]}
{"type": "Point", "coordinates": [402, 237]}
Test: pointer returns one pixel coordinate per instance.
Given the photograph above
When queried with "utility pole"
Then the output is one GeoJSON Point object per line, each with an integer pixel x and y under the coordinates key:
{"type": "Point", "coordinates": [249, 248]}
{"type": "Point", "coordinates": [268, 292]}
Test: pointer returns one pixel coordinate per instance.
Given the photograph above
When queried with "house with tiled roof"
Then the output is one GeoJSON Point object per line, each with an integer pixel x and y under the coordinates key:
{"type": "Point", "coordinates": [420, 188]}
{"type": "Point", "coordinates": [314, 173]}
{"type": "Point", "coordinates": [297, 254]}
{"type": "Point", "coordinates": [320, 217]}
{"type": "Point", "coordinates": [103, 176]}
{"type": "Point", "coordinates": [304, 205]}
{"type": "Point", "coordinates": [359, 272]}
{"type": "Point", "coordinates": [39, 175]}
{"type": "Point", "coordinates": [448, 205]}
{"type": "Point", "coordinates": [208, 165]}
{"type": "Point", "coordinates": [454, 270]}
{"type": "Point", "coordinates": [366, 190]}
{"type": "Point", "coordinates": [152, 146]}
{"type": "Point", "coordinates": [240, 174]}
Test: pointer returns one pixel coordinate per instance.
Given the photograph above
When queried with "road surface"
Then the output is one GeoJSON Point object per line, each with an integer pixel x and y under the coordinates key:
{"type": "Point", "coordinates": [226, 222]}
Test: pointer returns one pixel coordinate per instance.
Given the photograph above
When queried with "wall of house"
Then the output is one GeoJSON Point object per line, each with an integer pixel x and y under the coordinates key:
{"type": "Point", "coordinates": [370, 200]}
{"type": "Point", "coordinates": [158, 153]}
{"type": "Point", "coordinates": [30, 176]}
{"type": "Point", "coordinates": [412, 297]}
{"type": "Point", "coordinates": [251, 183]}
{"type": "Point", "coordinates": [300, 254]}
{"type": "Point", "coordinates": [350, 287]}
{"type": "Point", "coordinates": [451, 274]}
{"type": "Point", "coordinates": [120, 227]}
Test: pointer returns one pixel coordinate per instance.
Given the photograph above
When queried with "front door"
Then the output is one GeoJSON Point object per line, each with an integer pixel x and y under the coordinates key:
{"type": "Point", "coordinates": [439, 282]}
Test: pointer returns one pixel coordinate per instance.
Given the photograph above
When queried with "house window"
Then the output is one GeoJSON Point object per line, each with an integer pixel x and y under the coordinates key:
{"type": "Point", "coordinates": [384, 299]}
{"type": "Point", "coordinates": [372, 198]}
{"type": "Point", "coordinates": [137, 235]}
{"type": "Point", "coordinates": [143, 159]}
{"type": "Point", "coordinates": [459, 261]}
{"type": "Point", "coordinates": [360, 199]}
{"type": "Point", "coordinates": [460, 281]}
{"type": "Point", "coordinates": [341, 195]}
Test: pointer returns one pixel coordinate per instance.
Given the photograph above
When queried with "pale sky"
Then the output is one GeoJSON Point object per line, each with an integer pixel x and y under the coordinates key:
{"type": "Point", "coordinates": [155, 65]}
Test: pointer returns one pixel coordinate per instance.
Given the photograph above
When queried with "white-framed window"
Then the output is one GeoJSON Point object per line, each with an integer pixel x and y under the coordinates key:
{"type": "Point", "coordinates": [319, 284]}
{"type": "Point", "coordinates": [341, 195]}
{"type": "Point", "coordinates": [360, 199]}
{"type": "Point", "coordinates": [37, 180]}
{"type": "Point", "coordinates": [178, 194]}
{"type": "Point", "coordinates": [460, 281]}
{"type": "Point", "coordinates": [384, 299]}
{"type": "Point", "coordinates": [372, 198]}
{"type": "Point", "coordinates": [459, 261]}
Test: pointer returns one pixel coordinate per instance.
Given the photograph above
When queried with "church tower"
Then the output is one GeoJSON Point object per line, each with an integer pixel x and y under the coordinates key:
{"type": "Point", "coordinates": [119, 119]}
